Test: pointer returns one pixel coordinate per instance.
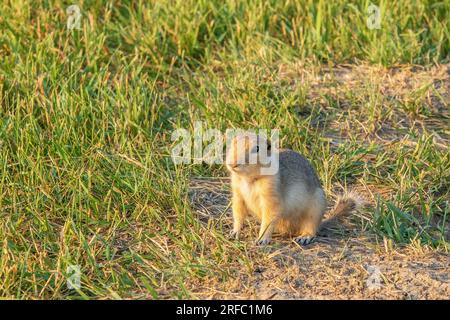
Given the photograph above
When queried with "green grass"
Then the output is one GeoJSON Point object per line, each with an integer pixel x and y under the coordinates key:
{"type": "Point", "coordinates": [86, 118]}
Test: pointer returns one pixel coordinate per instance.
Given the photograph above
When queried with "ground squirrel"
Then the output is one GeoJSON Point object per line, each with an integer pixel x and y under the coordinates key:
{"type": "Point", "coordinates": [291, 201]}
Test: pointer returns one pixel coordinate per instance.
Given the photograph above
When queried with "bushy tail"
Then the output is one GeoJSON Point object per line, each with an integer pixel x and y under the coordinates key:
{"type": "Point", "coordinates": [345, 204]}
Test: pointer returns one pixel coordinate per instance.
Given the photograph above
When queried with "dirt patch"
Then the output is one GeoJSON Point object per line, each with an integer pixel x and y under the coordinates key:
{"type": "Point", "coordinates": [348, 263]}
{"type": "Point", "coordinates": [350, 268]}
{"type": "Point", "coordinates": [400, 98]}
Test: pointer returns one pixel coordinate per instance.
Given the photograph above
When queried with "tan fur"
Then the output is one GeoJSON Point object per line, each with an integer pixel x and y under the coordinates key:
{"type": "Point", "coordinates": [290, 202]}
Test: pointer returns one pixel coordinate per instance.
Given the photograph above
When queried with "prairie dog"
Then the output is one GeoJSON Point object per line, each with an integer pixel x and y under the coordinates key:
{"type": "Point", "coordinates": [290, 201]}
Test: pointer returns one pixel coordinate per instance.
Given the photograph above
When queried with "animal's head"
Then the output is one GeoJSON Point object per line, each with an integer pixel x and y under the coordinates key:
{"type": "Point", "coordinates": [249, 154]}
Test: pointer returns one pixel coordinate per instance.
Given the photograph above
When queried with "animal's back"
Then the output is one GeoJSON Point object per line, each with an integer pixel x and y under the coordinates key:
{"type": "Point", "coordinates": [296, 169]}
{"type": "Point", "coordinates": [300, 189]}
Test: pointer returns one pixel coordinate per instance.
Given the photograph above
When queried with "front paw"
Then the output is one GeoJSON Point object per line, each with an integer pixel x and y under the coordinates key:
{"type": "Point", "coordinates": [263, 242]}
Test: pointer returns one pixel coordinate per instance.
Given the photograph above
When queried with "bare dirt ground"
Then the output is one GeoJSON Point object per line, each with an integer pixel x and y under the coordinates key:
{"type": "Point", "coordinates": [346, 263]}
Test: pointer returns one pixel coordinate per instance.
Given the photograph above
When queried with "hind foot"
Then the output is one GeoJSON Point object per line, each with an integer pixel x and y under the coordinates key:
{"type": "Point", "coordinates": [304, 240]}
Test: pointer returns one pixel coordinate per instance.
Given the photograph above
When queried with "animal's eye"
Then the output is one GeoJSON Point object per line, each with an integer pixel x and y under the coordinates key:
{"type": "Point", "coordinates": [257, 149]}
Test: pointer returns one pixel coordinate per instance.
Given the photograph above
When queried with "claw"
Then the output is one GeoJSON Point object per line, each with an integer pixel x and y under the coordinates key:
{"type": "Point", "coordinates": [304, 240]}
{"type": "Point", "coordinates": [262, 242]}
{"type": "Point", "coordinates": [234, 234]}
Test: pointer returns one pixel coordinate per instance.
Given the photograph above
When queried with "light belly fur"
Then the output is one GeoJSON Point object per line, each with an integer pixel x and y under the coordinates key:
{"type": "Point", "coordinates": [295, 204]}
